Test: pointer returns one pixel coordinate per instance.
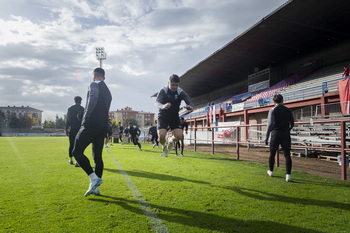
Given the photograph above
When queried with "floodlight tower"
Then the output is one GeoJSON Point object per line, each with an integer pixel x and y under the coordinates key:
{"type": "Point", "coordinates": [100, 54]}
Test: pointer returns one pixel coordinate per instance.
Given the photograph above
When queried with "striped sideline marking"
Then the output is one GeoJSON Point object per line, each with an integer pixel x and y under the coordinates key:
{"type": "Point", "coordinates": [155, 221]}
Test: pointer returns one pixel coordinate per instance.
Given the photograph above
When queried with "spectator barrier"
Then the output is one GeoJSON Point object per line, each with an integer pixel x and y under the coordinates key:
{"type": "Point", "coordinates": [232, 136]}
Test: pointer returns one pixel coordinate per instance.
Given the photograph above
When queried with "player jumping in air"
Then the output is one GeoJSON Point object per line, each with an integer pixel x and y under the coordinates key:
{"type": "Point", "coordinates": [168, 102]}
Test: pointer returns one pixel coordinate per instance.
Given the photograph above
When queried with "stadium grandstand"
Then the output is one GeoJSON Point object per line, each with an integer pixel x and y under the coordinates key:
{"type": "Point", "coordinates": [299, 50]}
{"type": "Point", "coordinates": [300, 45]}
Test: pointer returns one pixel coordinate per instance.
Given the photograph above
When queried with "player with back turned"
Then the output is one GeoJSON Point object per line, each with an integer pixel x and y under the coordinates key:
{"type": "Point", "coordinates": [73, 122]}
{"type": "Point", "coordinates": [94, 129]}
{"type": "Point", "coordinates": [280, 122]}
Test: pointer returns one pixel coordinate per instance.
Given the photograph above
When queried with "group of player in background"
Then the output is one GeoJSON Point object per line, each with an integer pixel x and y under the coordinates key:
{"type": "Point", "coordinates": [132, 134]}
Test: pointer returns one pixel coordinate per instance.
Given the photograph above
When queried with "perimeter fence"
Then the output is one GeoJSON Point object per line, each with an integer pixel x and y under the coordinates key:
{"type": "Point", "coordinates": [328, 136]}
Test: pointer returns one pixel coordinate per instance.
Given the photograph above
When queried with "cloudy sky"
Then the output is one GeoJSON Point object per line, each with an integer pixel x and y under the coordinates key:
{"type": "Point", "coordinates": [48, 47]}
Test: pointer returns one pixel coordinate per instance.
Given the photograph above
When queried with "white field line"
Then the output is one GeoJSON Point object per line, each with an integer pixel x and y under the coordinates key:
{"type": "Point", "coordinates": [155, 221]}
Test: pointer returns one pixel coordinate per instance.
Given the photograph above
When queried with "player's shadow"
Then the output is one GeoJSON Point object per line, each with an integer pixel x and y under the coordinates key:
{"type": "Point", "coordinates": [202, 220]}
{"type": "Point", "coordinates": [321, 183]}
{"type": "Point", "coordinates": [157, 176]}
{"type": "Point", "coordinates": [148, 150]}
{"type": "Point", "coordinates": [265, 196]}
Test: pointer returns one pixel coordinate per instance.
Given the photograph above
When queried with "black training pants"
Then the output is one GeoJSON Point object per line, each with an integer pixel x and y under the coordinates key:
{"type": "Point", "coordinates": [135, 140]}
{"type": "Point", "coordinates": [96, 137]}
{"type": "Point", "coordinates": [155, 139]}
{"type": "Point", "coordinates": [283, 139]}
{"type": "Point", "coordinates": [72, 133]}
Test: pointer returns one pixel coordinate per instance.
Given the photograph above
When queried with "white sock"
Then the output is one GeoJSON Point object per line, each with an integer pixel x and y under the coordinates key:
{"type": "Point", "coordinates": [93, 177]}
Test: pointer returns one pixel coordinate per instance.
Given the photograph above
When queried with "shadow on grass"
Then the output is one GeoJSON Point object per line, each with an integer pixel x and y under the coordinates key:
{"type": "Point", "coordinates": [322, 183]}
{"type": "Point", "coordinates": [148, 151]}
{"type": "Point", "coordinates": [265, 196]}
{"type": "Point", "coordinates": [217, 156]}
{"type": "Point", "coordinates": [136, 149]}
{"type": "Point", "coordinates": [156, 176]}
{"type": "Point", "coordinates": [231, 159]}
{"type": "Point", "coordinates": [204, 220]}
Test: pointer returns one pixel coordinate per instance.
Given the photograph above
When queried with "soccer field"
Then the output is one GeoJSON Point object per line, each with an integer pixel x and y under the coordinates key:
{"type": "Point", "coordinates": [145, 192]}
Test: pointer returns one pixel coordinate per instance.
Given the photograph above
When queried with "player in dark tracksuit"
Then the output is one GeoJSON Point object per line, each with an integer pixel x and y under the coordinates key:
{"type": "Point", "coordinates": [134, 132]}
{"type": "Point", "coordinates": [280, 122]}
{"type": "Point", "coordinates": [184, 126]}
{"type": "Point", "coordinates": [94, 129]}
{"type": "Point", "coordinates": [121, 130]}
{"type": "Point", "coordinates": [153, 132]}
{"type": "Point", "coordinates": [168, 102]}
{"type": "Point", "coordinates": [73, 122]}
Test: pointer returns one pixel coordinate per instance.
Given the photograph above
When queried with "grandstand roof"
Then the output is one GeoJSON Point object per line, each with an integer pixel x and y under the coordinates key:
{"type": "Point", "coordinates": [291, 31]}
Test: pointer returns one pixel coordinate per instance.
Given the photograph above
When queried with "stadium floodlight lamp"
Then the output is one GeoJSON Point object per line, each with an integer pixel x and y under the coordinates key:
{"type": "Point", "coordinates": [101, 54]}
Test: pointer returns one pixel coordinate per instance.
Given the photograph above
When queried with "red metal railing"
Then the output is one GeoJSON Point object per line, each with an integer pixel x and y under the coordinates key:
{"type": "Point", "coordinates": [238, 142]}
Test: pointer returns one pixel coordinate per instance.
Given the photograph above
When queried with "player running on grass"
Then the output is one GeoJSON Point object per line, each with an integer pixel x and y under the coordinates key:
{"type": "Point", "coordinates": [135, 133]}
{"type": "Point", "coordinates": [153, 132]}
{"type": "Point", "coordinates": [181, 145]}
{"type": "Point", "coordinates": [168, 102]}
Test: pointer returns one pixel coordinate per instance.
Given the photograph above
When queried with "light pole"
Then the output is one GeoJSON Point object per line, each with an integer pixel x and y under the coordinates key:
{"type": "Point", "coordinates": [100, 54]}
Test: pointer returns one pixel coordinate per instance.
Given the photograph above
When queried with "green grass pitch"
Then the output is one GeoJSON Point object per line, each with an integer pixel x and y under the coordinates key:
{"type": "Point", "coordinates": [145, 192]}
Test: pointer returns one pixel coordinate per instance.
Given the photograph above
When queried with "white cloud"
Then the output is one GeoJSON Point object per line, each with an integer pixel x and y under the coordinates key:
{"type": "Point", "coordinates": [30, 64]}
{"type": "Point", "coordinates": [42, 90]}
{"type": "Point", "coordinates": [16, 30]}
{"type": "Point", "coordinates": [132, 70]}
